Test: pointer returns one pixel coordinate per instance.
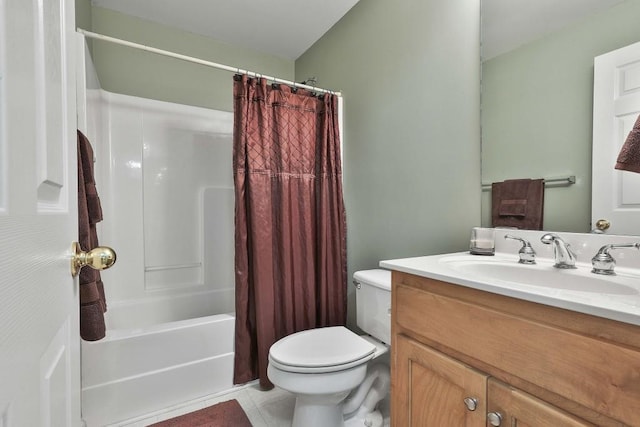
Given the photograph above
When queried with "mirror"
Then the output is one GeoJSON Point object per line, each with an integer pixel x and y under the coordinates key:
{"type": "Point", "coordinates": [537, 95]}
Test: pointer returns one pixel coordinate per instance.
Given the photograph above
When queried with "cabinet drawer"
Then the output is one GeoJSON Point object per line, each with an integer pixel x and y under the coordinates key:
{"type": "Point", "coordinates": [594, 373]}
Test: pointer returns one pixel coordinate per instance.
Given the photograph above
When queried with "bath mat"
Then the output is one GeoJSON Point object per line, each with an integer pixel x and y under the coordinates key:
{"type": "Point", "coordinates": [223, 414]}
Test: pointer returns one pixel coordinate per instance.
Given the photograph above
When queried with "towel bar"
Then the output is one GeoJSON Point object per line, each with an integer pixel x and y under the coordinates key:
{"type": "Point", "coordinates": [548, 182]}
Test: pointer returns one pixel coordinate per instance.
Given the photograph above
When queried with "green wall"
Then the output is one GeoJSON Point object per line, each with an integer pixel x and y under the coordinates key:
{"type": "Point", "coordinates": [138, 73]}
{"type": "Point", "coordinates": [537, 112]}
{"type": "Point", "coordinates": [409, 72]}
{"type": "Point", "coordinates": [83, 14]}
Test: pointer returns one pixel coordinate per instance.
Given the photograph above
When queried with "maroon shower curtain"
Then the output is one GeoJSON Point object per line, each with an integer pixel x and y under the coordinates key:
{"type": "Point", "coordinates": [290, 236]}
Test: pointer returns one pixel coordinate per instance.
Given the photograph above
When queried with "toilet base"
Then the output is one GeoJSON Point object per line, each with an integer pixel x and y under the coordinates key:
{"type": "Point", "coordinates": [310, 411]}
{"type": "Point", "coordinates": [373, 419]}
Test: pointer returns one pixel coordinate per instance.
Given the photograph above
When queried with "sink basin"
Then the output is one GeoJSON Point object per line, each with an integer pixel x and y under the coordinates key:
{"type": "Point", "coordinates": [539, 275]}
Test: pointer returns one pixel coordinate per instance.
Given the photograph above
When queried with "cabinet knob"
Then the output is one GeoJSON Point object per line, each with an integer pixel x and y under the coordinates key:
{"type": "Point", "coordinates": [471, 402]}
{"type": "Point", "coordinates": [495, 418]}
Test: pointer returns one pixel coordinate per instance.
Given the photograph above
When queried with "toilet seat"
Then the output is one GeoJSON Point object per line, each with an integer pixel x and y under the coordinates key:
{"type": "Point", "coordinates": [320, 350]}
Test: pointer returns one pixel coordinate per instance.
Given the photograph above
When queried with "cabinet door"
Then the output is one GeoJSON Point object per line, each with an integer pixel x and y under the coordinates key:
{"type": "Point", "coordinates": [519, 409]}
{"type": "Point", "coordinates": [429, 389]}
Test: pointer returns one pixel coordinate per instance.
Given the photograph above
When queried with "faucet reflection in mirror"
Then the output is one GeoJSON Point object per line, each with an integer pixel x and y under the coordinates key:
{"type": "Point", "coordinates": [629, 157]}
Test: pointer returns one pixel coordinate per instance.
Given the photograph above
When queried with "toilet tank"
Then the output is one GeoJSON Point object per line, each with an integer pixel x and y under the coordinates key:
{"type": "Point", "coordinates": [373, 303]}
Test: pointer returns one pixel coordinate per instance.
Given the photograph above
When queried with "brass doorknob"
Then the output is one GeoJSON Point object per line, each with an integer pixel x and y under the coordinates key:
{"type": "Point", "coordinates": [99, 258]}
{"type": "Point", "coordinates": [603, 224]}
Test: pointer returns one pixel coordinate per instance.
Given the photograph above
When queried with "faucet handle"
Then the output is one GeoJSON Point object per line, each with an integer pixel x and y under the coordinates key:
{"type": "Point", "coordinates": [603, 262]}
{"type": "Point", "coordinates": [526, 253]}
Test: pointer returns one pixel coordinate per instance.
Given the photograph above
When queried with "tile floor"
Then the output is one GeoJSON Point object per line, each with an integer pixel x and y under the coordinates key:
{"type": "Point", "coordinates": [272, 408]}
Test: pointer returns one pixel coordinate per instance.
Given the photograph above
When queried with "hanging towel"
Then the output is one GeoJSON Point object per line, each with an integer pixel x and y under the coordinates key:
{"type": "Point", "coordinates": [518, 203]}
{"type": "Point", "coordinates": [629, 157]}
{"type": "Point", "coordinates": [92, 301]}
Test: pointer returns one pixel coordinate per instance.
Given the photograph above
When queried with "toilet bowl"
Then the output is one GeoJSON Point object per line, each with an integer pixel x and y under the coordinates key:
{"type": "Point", "coordinates": [329, 369]}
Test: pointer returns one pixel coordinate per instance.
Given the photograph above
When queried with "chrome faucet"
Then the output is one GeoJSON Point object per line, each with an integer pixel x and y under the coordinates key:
{"type": "Point", "coordinates": [603, 262]}
{"type": "Point", "coordinates": [564, 256]}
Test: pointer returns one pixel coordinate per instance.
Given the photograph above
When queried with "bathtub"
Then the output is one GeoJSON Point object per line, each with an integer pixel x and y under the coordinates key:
{"type": "Point", "coordinates": [145, 367]}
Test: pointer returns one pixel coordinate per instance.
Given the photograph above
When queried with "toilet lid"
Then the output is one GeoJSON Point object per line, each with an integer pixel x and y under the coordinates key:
{"type": "Point", "coordinates": [321, 347]}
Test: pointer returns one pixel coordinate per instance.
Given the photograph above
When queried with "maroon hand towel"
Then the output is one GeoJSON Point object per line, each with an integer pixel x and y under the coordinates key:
{"type": "Point", "coordinates": [629, 157]}
{"type": "Point", "coordinates": [92, 301]}
{"type": "Point", "coordinates": [518, 203]}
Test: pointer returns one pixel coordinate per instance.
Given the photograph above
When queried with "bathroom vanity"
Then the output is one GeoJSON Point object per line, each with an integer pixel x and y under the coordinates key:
{"type": "Point", "coordinates": [468, 352]}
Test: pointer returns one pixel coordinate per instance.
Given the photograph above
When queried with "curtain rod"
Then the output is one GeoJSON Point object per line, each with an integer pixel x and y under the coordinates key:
{"type": "Point", "coordinates": [548, 182]}
{"type": "Point", "coordinates": [201, 61]}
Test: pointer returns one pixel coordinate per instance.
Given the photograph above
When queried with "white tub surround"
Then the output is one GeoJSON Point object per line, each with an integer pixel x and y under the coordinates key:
{"type": "Point", "coordinates": [167, 190]}
{"type": "Point", "coordinates": [578, 290]}
{"type": "Point", "coordinates": [167, 195]}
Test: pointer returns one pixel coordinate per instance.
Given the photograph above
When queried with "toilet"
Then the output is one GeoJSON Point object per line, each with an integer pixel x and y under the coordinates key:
{"type": "Point", "coordinates": [339, 377]}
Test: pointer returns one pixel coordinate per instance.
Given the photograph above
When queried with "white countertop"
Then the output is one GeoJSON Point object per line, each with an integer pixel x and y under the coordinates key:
{"type": "Point", "coordinates": [620, 302]}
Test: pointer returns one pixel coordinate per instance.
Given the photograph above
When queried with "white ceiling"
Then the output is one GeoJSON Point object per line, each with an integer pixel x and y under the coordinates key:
{"type": "Point", "coordinates": [507, 24]}
{"type": "Point", "coordinates": [284, 28]}
{"type": "Point", "coordinates": [287, 28]}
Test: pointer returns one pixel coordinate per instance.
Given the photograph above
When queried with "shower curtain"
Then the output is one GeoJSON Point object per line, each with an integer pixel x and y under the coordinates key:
{"type": "Point", "coordinates": [290, 236]}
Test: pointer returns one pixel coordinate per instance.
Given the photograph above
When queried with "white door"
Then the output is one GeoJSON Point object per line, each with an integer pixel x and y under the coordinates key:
{"type": "Point", "coordinates": [616, 105]}
{"type": "Point", "coordinates": [39, 338]}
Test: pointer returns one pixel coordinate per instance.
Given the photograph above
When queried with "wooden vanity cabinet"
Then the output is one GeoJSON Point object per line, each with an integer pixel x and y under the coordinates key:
{"type": "Point", "coordinates": [459, 354]}
{"type": "Point", "coordinates": [436, 390]}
